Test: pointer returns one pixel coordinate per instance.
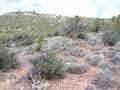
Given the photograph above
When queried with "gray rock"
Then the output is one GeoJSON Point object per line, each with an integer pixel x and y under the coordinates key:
{"type": "Point", "coordinates": [90, 87]}
{"type": "Point", "coordinates": [117, 44]}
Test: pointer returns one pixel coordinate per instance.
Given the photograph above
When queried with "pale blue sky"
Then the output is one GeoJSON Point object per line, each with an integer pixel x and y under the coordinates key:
{"type": "Point", "coordinates": [89, 8]}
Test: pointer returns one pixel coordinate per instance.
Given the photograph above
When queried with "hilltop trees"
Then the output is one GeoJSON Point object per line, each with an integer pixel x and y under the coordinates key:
{"type": "Point", "coordinates": [116, 23]}
{"type": "Point", "coordinates": [96, 25]}
{"type": "Point", "coordinates": [72, 24]}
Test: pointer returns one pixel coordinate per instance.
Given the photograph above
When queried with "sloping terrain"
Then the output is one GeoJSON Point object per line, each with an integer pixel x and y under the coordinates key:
{"type": "Point", "coordinates": [92, 52]}
{"type": "Point", "coordinates": [81, 47]}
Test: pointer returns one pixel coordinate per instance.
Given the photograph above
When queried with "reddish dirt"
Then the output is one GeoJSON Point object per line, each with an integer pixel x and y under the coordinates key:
{"type": "Point", "coordinates": [74, 81]}
{"type": "Point", "coordinates": [69, 82]}
{"type": "Point", "coordinates": [16, 83]}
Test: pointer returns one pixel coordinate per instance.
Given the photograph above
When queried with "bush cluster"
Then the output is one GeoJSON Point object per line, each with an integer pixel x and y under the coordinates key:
{"type": "Point", "coordinates": [7, 60]}
{"type": "Point", "coordinates": [20, 40]}
{"type": "Point", "coordinates": [111, 37]}
{"type": "Point", "coordinates": [103, 81]}
{"type": "Point", "coordinates": [48, 66]}
{"type": "Point", "coordinates": [76, 68]}
{"type": "Point", "coordinates": [82, 35]}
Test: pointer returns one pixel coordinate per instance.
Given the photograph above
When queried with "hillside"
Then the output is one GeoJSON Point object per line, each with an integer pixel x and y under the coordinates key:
{"type": "Point", "coordinates": [29, 22]}
{"type": "Point", "coordinates": [49, 52]}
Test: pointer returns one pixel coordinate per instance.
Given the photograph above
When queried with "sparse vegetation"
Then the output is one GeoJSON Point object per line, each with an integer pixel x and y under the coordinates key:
{"type": "Point", "coordinates": [78, 41]}
{"type": "Point", "coordinates": [103, 81]}
{"type": "Point", "coordinates": [19, 40]}
{"type": "Point", "coordinates": [48, 67]}
{"type": "Point", "coordinates": [76, 68]}
{"type": "Point", "coordinates": [39, 41]}
{"type": "Point", "coordinates": [111, 37]}
{"type": "Point", "coordinates": [82, 36]}
{"type": "Point", "coordinates": [7, 60]}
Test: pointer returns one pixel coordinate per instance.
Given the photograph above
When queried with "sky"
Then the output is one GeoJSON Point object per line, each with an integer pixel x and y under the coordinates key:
{"type": "Point", "coordinates": [87, 8]}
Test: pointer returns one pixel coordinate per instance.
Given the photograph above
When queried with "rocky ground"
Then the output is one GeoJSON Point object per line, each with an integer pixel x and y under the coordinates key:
{"type": "Point", "coordinates": [102, 74]}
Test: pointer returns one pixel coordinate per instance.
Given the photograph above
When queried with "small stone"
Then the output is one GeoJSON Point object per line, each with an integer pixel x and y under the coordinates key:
{"type": "Point", "coordinates": [21, 88]}
{"type": "Point", "coordinates": [7, 80]}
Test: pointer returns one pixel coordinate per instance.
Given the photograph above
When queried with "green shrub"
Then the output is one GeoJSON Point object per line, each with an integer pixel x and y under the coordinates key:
{"type": "Point", "coordinates": [48, 67]}
{"type": "Point", "coordinates": [76, 68]}
{"type": "Point", "coordinates": [111, 37]}
{"type": "Point", "coordinates": [81, 36]}
{"type": "Point", "coordinates": [25, 42]}
{"type": "Point", "coordinates": [56, 33]}
{"type": "Point", "coordinates": [39, 41]}
{"type": "Point", "coordinates": [7, 60]}
{"type": "Point", "coordinates": [20, 40]}
{"type": "Point", "coordinates": [103, 81]}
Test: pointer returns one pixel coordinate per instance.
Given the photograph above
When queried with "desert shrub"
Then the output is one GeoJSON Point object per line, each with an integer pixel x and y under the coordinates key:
{"type": "Point", "coordinates": [111, 71]}
{"type": "Point", "coordinates": [56, 33]}
{"type": "Point", "coordinates": [39, 41]}
{"type": "Point", "coordinates": [95, 25]}
{"type": "Point", "coordinates": [76, 68]}
{"type": "Point", "coordinates": [3, 39]}
{"type": "Point", "coordinates": [48, 66]}
{"type": "Point", "coordinates": [81, 36]}
{"type": "Point", "coordinates": [7, 60]}
{"type": "Point", "coordinates": [20, 40]}
{"type": "Point", "coordinates": [103, 81]}
{"type": "Point", "coordinates": [111, 37]}
{"type": "Point", "coordinates": [116, 58]}
{"type": "Point", "coordinates": [94, 60]}
{"type": "Point", "coordinates": [17, 37]}
{"type": "Point", "coordinates": [25, 42]}
{"type": "Point", "coordinates": [50, 35]}
{"type": "Point", "coordinates": [77, 35]}
{"type": "Point", "coordinates": [103, 66]}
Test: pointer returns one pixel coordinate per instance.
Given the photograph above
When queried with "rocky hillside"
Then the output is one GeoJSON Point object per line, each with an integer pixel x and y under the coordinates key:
{"type": "Point", "coordinates": [49, 52]}
{"type": "Point", "coordinates": [89, 65]}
